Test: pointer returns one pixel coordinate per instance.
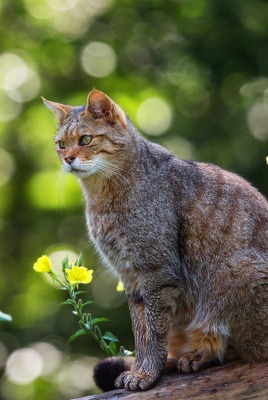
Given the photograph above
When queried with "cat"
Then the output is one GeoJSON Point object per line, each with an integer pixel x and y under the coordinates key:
{"type": "Point", "coordinates": [189, 241]}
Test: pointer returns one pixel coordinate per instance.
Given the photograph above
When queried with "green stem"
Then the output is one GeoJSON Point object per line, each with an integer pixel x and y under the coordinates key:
{"type": "Point", "coordinates": [76, 304]}
{"type": "Point", "coordinates": [84, 321]}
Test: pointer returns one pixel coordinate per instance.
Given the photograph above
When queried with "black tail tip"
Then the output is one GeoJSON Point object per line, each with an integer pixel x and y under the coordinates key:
{"type": "Point", "coordinates": [106, 371]}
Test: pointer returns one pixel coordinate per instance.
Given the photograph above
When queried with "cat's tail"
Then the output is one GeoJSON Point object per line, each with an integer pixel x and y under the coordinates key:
{"type": "Point", "coordinates": [106, 371]}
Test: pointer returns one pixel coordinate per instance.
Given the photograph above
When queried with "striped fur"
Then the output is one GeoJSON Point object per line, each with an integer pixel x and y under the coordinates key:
{"type": "Point", "coordinates": [189, 241]}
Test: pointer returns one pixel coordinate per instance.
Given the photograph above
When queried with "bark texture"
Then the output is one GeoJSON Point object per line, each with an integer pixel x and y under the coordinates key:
{"type": "Point", "coordinates": [233, 381]}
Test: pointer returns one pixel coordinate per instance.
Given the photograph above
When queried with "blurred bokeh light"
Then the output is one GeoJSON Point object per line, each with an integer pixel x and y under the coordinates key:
{"type": "Point", "coordinates": [98, 59]}
{"type": "Point", "coordinates": [192, 75]}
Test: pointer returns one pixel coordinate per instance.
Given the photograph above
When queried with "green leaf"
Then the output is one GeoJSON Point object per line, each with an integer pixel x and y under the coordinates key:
{"type": "Point", "coordinates": [76, 335]}
{"type": "Point", "coordinates": [125, 353]}
{"type": "Point", "coordinates": [79, 292]}
{"type": "Point", "coordinates": [113, 347]}
{"type": "Point", "coordinates": [5, 317]}
{"type": "Point", "coordinates": [110, 336]}
{"type": "Point", "coordinates": [69, 302]}
{"type": "Point", "coordinates": [79, 261]}
{"type": "Point", "coordinates": [97, 320]}
{"type": "Point", "coordinates": [65, 263]}
{"type": "Point", "coordinates": [85, 326]}
{"type": "Point", "coordinates": [86, 303]}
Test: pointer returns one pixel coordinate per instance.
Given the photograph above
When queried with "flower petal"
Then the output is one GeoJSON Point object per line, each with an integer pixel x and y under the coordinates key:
{"type": "Point", "coordinates": [120, 287]}
{"type": "Point", "coordinates": [78, 275]}
{"type": "Point", "coordinates": [43, 264]}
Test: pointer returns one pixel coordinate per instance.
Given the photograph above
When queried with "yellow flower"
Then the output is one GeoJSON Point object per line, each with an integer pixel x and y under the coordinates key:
{"type": "Point", "coordinates": [120, 287]}
{"type": "Point", "coordinates": [43, 264]}
{"type": "Point", "coordinates": [79, 275]}
{"type": "Point", "coordinates": [267, 160]}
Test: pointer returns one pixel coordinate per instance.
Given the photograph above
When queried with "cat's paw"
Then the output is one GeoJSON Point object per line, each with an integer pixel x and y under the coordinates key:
{"type": "Point", "coordinates": [194, 361]}
{"type": "Point", "coordinates": [190, 362]}
{"type": "Point", "coordinates": [135, 380]}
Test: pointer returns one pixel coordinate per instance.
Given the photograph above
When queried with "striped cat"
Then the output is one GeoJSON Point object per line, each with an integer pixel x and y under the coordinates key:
{"type": "Point", "coordinates": [189, 241]}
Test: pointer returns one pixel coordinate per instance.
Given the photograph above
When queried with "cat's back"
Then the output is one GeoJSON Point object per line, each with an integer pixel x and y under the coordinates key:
{"type": "Point", "coordinates": [212, 205]}
{"type": "Point", "coordinates": [201, 185]}
{"type": "Point", "coordinates": [218, 206]}
{"type": "Point", "coordinates": [214, 187]}
{"type": "Point", "coordinates": [194, 180]}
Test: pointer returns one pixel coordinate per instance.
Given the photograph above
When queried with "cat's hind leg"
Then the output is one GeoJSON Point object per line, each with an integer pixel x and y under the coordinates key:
{"type": "Point", "coordinates": [196, 349]}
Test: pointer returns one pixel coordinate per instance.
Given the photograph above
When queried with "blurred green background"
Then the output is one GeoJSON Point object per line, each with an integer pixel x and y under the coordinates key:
{"type": "Point", "coordinates": [191, 74]}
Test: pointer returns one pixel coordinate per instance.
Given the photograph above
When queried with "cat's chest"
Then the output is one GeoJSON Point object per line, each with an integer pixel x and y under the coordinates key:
{"type": "Point", "coordinates": [108, 232]}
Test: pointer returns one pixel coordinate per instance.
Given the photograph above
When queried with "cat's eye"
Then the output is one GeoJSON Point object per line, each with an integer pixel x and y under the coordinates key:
{"type": "Point", "coordinates": [61, 144]}
{"type": "Point", "coordinates": [84, 140]}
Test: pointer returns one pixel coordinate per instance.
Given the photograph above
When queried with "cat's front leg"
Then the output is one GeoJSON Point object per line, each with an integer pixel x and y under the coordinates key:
{"type": "Point", "coordinates": [151, 312]}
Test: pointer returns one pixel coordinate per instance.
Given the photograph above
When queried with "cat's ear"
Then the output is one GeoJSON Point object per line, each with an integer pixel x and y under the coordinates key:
{"type": "Point", "coordinates": [100, 106]}
{"type": "Point", "coordinates": [60, 111]}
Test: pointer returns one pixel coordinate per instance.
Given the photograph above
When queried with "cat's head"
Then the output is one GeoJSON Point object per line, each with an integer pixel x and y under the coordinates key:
{"type": "Point", "coordinates": [90, 139]}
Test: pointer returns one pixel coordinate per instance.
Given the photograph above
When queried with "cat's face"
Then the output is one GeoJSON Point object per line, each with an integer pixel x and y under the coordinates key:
{"type": "Point", "coordinates": [89, 139]}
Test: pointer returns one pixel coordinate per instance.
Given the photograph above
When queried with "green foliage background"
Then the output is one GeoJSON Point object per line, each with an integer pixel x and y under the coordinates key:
{"type": "Point", "coordinates": [193, 71]}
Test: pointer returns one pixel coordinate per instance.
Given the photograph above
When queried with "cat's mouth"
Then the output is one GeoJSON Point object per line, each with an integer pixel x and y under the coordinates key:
{"type": "Point", "coordinates": [80, 171]}
{"type": "Point", "coordinates": [75, 169]}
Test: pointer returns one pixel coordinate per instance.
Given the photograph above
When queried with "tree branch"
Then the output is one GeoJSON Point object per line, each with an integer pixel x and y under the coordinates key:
{"type": "Point", "coordinates": [233, 381]}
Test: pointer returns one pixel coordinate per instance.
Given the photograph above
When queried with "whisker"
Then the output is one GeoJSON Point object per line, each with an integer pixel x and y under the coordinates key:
{"type": "Point", "coordinates": [115, 170]}
{"type": "Point", "coordinates": [107, 169]}
{"type": "Point", "coordinates": [105, 173]}
{"type": "Point", "coordinates": [114, 176]}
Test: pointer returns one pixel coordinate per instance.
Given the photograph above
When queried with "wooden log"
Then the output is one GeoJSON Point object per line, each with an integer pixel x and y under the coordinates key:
{"type": "Point", "coordinates": [233, 381]}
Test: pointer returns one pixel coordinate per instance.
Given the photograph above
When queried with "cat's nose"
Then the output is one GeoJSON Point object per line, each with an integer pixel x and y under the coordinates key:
{"type": "Point", "coordinates": [69, 160]}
